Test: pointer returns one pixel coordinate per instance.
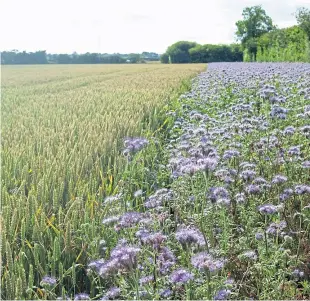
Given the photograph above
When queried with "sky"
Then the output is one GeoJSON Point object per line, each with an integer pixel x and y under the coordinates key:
{"type": "Point", "coordinates": [124, 26]}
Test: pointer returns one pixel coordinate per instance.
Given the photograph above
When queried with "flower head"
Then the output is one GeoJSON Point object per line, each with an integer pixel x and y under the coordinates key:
{"type": "Point", "coordinates": [267, 209]}
{"type": "Point", "coordinates": [187, 236]}
{"type": "Point", "coordinates": [112, 293]}
{"type": "Point", "coordinates": [222, 294]}
{"type": "Point", "coordinates": [204, 261]}
{"type": "Point", "coordinates": [48, 281]}
{"type": "Point", "coordinates": [181, 276]}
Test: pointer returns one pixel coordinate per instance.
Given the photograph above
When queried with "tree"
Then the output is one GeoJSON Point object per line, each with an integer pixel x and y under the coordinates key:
{"type": "Point", "coordinates": [254, 24]}
{"type": "Point", "coordinates": [134, 58]}
{"type": "Point", "coordinates": [179, 52]}
{"type": "Point", "coordinates": [164, 58]}
{"type": "Point", "coordinates": [303, 20]}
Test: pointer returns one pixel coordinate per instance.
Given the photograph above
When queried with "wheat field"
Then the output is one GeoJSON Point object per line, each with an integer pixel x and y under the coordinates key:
{"type": "Point", "coordinates": [62, 130]}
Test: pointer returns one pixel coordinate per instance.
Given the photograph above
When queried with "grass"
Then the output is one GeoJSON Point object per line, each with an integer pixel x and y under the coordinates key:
{"type": "Point", "coordinates": [62, 131]}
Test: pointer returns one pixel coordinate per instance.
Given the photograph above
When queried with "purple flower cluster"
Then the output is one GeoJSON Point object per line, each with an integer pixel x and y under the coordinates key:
{"type": "Point", "coordinates": [239, 139]}
{"type": "Point", "coordinates": [276, 228]}
{"type": "Point", "coordinates": [188, 236]}
{"type": "Point", "coordinates": [122, 258]}
{"type": "Point", "coordinates": [181, 276]}
{"type": "Point", "coordinates": [48, 281]}
{"type": "Point", "coordinates": [222, 294]}
{"type": "Point", "coordinates": [159, 198]}
{"type": "Point", "coordinates": [268, 209]}
{"type": "Point", "coordinates": [112, 293]}
{"type": "Point", "coordinates": [204, 261]}
{"type": "Point", "coordinates": [133, 145]}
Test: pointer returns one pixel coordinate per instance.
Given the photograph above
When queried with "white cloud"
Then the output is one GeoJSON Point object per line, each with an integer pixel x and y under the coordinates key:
{"type": "Point", "coordinates": [127, 26]}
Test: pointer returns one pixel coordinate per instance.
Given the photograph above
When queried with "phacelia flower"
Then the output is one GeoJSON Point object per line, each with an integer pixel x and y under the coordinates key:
{"type": "Point", "coordinates": [204, 261]}
{"type": "Point", "coordinates": [187, 236]}
{"type": "Point", "coordinates": [222, 294]}
{"type": "Point", "coordinates": [267, 209]}
{"type": "Point", "coordinates": [181, 276]}
{"type": "Point", "coordinates": [112, 293]}
{"type": "Point", "coordinates": [48, 281]}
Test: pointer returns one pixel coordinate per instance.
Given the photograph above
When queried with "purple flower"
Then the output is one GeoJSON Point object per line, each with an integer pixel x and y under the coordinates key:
{"type": "Point", "coordinates": [158, 198]}
{"type": "Point", "coordinates": [253, 189]}
{"type": "Point", "coordinates": [278, 112]}
{"type": "Point", "coordinates": [181, 276]}
{"type": "Point", "coordinates": [305, 164]}
{"type": "Point", "coordinates": [155, 239]}
{"type": "Point", "coordinates": [275, 228]}
{"type": "Point", "coordinates": [112, 293]}
{"type": "Point", "coordinates": [279, 179]}
{"type": "Point", "coordinates": [259, 236]}
{"type": "Point", "coordinates": [247, 175]}
{"type": "Point", "coordinates": [231, 153]}
{"type": "Point", "coordinates": [208, 163]}
{"type": "Point", "coordinates": [133, 145]}
{"type": "Point", "coordinates": [146, 280]}
{"type": "Point", "coordinates": [204, 261]}
{"type": "Point", "coordinates": [259, 181]}
{"type": "Point", "coordinates": [166, 260]}
{"type": "Point", "coordinates": [223, 294]}
{"type": "Point", "coordinates": [267, 209]}
{"type": "Point", "coordinates": [294, 151]}
{"type": "Point", "coordinates": [81, 296]}
{"type": "Point", "coordinates": [130, 219]}
{"type": "Point", "coordinates": [187, 236]}
{"type": "Point", "coordinates": [287, 193]}
{"type": "Point", "coordinates": [143, 234]}
{"type": "Point", "coordinates": [302, 189]}
{"type": "Point", "coordinates": [96, 264]}
{"type": "Point", "coordinates": [165, 293]}
{"type": "Point", "coordinates": [48, 281]}
{"type": "Point", "coordinates": [218, 193]}
{"type": "Point", "coordinates": [290, 130]}
{"type": "Point", "coordinates": [121, 258]}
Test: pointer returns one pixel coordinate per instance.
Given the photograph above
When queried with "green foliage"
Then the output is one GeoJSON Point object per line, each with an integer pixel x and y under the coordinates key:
{"type": "Point", "coordinates": [179, 51]}
{"type": "Point", "coordinates": [40, 57]}
{"type": "Point", "coordinates": [283, 45]}
{"type": "Point", "coordinates": [15, 57]}
{"type": "Point", "coordinates": [246, 56]}
{"type": "Point", "coordinates": [254, 24]}
{"type": "Point", "coordinates": [164, 58]}
{"type": "Point", "coordinates": [303, 20]}
{"type": "Point", "coordinates": [188, 52]}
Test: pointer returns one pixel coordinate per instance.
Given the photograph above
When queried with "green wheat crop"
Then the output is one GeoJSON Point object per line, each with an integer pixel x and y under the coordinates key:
{"type": "Point", "coordinates": [62, 130]}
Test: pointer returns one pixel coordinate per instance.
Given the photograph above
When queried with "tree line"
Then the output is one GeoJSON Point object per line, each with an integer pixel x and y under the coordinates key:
{"type": "Point", "coordinates": [259, 40]}
{"type": "Point", "coordinates": [16, 57]}
{"type": "Point", "coordinates": [263, 41]}
{"type": "Point", "coordinates": [191, 52]}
